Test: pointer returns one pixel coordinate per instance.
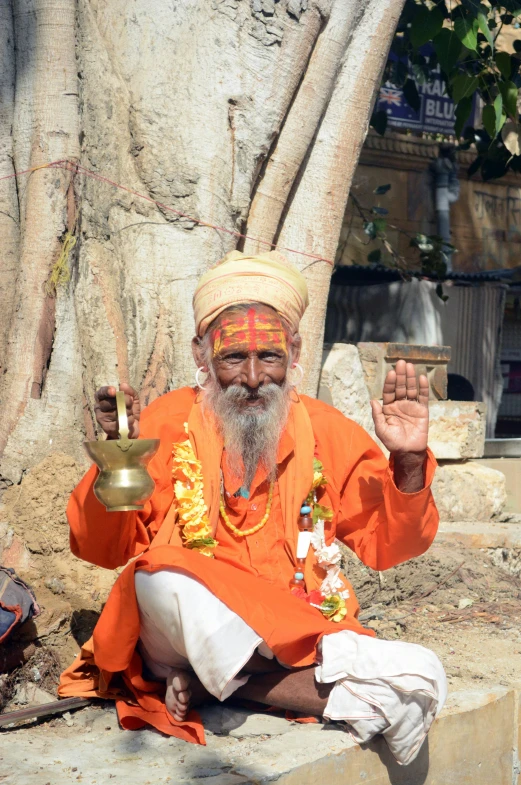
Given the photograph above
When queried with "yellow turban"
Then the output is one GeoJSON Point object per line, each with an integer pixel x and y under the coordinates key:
{"type": "Point", "coordinates": [268, 278]}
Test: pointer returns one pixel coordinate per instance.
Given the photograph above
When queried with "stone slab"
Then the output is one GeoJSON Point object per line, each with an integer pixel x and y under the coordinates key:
{"type": "Point", "coordinates": [502, 448]}
{"type": "Point", "coordinates": [343, 378]}
{"type": "Point", "coordinates": [473, 742]}
{"type": "Point", "coordinates": [511, 469]}
{"type": "Point", "coordinates": [469, 491]}
{"type": "Point", "coordinates": [481, 534]}
{"type": "Point", "coordinates": [457, 429]}
{"type": "Point", "coordinates": [378, 358]}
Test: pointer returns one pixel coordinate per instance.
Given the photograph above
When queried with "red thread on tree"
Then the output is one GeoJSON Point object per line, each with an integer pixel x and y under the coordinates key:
{"type": "Point", "coordinates": [78, 169]}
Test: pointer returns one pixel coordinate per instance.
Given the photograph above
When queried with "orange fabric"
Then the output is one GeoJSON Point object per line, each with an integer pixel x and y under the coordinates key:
{"type": "Point", "coordinates": [382, 525]}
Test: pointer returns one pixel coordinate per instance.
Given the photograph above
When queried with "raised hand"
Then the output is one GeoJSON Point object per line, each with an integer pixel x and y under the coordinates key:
{"type": "Point", "coordinates": [106, 412]}
{"type": "Point", "coordinates": [402, 422]}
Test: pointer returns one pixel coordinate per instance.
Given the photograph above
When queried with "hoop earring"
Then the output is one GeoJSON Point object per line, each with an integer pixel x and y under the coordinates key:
{"type": "Point", "coordinates": [301, 371]}
{"type": "Point", "coordinates": [198, 383]}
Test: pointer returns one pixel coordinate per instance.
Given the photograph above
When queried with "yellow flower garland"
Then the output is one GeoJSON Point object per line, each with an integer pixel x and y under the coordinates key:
{"type": "Point", "coordinates": [188, 490]}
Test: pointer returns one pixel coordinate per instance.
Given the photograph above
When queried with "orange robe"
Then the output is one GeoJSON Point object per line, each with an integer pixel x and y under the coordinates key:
{"type": "Point", "coordinates": [383, 526]}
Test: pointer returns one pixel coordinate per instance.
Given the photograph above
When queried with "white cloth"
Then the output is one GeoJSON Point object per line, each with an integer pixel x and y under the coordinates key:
{"type": "Point", "coordinates": [387, 687]}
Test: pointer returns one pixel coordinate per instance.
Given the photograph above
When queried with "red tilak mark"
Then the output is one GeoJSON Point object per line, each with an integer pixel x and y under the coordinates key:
{"type": "Point", "coordinates": [252, 330]}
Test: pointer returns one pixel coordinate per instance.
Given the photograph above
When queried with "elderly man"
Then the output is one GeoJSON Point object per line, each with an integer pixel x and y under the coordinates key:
{"type": "Point", "coordinates": [235, 585]}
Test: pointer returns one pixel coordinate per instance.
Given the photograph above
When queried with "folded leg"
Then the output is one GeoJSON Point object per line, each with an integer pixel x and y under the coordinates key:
{"type": "Point", "coordinates": [184, 626]}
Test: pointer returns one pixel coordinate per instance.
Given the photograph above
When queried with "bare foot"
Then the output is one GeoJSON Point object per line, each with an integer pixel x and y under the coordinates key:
{"type": "Point", "coordinates": [178, 693]}
{"type": "Point", "coordinates": [183, 692]}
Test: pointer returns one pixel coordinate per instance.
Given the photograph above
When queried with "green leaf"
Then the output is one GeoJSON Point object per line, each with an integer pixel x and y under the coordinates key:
{"type": "Point", "coordinates": [321, 513]}
{"type": "Point", "coordinates": [380, 224]}
{"type": "Point", "coordinates": [448, 48]}
{"type": "Point", "coordinates": [475, 165]}
{"type": "Point", "coordinates": [514, 6]}
{"type": "Point", "coordinates": [483, 25]}
{"type": "Point", "coordinates": [467, 32]}
{"type": "Point", "coordinates": [489, 120]}
{"type": "Point", "coordinates": [463, 86]}
{"type": "Point", "coordinates": [379, 121]}
{"type": "Point", "coordinates": [503, 63]}
{"type": "Point", "coordinates": [374, 256]}
{"type": "Point", "coordinates": [410, 93]}
{"type": "Point", "coordinates": [500, 115]}
{"type": "Point", "coordinates": [472, 6]}
{"type": "Point", "coordinates": [382, 189]}
{"type": "Point", "coordinates": [508, 91]}
{"type": "Point", "coordinates": [425, 25]}
{"type": "Point", "coordinates": [462, 113]}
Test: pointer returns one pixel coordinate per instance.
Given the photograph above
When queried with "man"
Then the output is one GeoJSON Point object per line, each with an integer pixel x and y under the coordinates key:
{"type": "Point", "coordinates": [229, 591]}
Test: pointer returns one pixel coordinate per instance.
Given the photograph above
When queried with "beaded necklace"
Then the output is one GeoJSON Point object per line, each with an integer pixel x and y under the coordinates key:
{"type": "Point", "coordinates": [254, 529]}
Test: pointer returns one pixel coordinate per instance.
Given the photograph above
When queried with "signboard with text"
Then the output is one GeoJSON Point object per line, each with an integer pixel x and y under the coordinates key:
{"type": "Point", "coordinates": [436, 113]}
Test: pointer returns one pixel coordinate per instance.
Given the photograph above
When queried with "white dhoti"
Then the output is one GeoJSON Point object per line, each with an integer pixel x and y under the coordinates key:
{"type": "Point", "coordinates": [388, 687]}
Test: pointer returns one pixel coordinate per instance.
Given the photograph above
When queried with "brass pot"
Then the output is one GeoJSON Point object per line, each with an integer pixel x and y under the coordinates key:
{"type": "Point", "coordinates": [123, 482]}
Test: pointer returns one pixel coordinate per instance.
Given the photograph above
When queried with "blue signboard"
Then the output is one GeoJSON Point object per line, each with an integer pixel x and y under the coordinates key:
{"type": "Point", "coordinates": [436, 113]}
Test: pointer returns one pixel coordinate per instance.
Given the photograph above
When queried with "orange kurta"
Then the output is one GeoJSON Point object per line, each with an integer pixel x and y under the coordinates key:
{"type": "Point", "coordinates": [379, 523]}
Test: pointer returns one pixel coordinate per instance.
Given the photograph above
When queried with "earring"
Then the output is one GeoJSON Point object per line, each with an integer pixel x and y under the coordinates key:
{"type": "Point", "coordinates": [198, 383]}
{"type": "Point", "coordinates": [301, 371]}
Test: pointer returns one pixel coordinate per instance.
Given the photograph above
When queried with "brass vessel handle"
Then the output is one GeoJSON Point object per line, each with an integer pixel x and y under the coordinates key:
{"type": "Point", "coordinates": [124, 443]}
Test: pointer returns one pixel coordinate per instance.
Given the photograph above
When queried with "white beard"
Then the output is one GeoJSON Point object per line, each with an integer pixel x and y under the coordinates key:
{"type": "Point", "coordinates": [251, 436]}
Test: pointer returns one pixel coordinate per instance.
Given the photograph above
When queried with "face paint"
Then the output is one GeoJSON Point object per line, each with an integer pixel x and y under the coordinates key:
{"type": "Point", "coordinates": [249, 333]}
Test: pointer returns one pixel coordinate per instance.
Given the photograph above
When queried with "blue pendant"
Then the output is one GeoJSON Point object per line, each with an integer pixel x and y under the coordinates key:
{"type": "Point", "coordinates": [305, 509]}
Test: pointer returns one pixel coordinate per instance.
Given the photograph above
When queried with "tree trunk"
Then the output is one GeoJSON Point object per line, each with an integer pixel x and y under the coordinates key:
{"type": "Point", "coordinates": [247, 115]}
{"type": "Point", "coordinates": [314, 224]}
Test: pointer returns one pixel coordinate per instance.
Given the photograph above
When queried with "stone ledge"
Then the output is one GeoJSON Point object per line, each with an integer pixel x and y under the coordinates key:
{"type": "Point", "coordinates": [469, 491]}
{"type": "Point", "coordinates": [457, 429]}
{"type": "Point", "coordinates": [480, 534]}
{"type": "Point", "coordinates": [474, 742]}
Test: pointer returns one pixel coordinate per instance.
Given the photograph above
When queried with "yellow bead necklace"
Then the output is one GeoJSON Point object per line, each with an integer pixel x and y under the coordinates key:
{"type": "Point", "coordinates": [258, 527]}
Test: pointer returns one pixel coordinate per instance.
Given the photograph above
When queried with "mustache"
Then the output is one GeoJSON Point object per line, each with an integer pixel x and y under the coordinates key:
{"type": "Point", "coordinates": [241, 392]}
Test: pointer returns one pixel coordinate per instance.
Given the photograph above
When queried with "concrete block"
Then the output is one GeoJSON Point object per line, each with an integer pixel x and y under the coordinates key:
{"type": "Point", "coordinates": [462, 748]}
{"type": "Point", "coordinates": [473, 742]}
{"type": "Point", "coordinates": [469, 492]}
{"type": "Point", "coordinates": [378, 358]}
{"type": "Point", "coordinates": [511, 468]}
{"type": "Point", "coordinates": [478, 534]}
{"type": "Point", "coordinates": [457, 429]}
{"type": "Point", "coordinates": [502, 448]}
{"type": "Point", "coordinates": [343, 377]}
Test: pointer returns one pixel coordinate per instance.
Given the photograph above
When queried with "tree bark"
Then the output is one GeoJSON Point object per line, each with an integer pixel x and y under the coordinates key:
{"type": "Point", "coordinates": [45, 129]}
{"type": "Point", "coordinates": [9, 213]}
{"type": "Point", "coordinates": [314, 224]}
{"type": "Point", "coordinates": [238, 113]}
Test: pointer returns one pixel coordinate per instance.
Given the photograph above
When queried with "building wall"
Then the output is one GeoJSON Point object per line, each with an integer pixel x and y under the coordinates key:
{"type": "Point", "coordinates": [469, 322]}
{"type": "Point", "coordinates": [486, 220]}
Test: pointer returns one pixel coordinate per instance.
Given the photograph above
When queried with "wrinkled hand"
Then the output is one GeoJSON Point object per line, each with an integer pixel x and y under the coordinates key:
{"type": "Point", "coordinates": [106, 411]}
{"type": "Point", "coordinates": [402, 422]}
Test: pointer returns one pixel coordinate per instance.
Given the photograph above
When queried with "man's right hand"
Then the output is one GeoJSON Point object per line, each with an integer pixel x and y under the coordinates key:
{"type": "Point", "coordinates": [106, 411]}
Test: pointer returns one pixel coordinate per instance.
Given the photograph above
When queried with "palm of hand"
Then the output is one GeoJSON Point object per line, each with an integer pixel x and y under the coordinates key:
{"type": "Point", "coordinates": [402, 420]}
{"type": "Point", "coordinates": [406, 426]}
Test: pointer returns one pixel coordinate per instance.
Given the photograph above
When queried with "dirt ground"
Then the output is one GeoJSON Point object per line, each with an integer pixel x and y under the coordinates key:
{"type": "Point", "coordinates": [465, 604]}
{"type": "Point", "coordinates": [34, 540]}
